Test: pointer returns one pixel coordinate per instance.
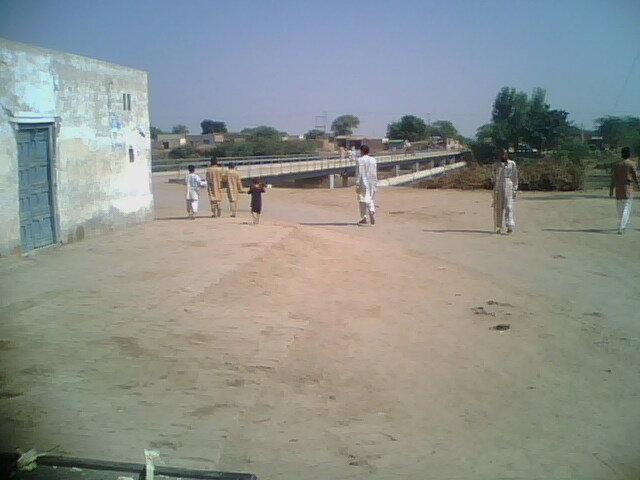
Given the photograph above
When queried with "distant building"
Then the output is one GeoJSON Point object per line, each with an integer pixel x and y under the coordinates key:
{"type": "Point", "coordinates": [208, 139]}
{"type": "Point", "coordinates": [168, 141]}
{"type": "Point", "coordinates": [396, 145]}
{"type": "Point", "coordinates": [348, 141]}
{"type": "Point", "coordinates": [75, 154]}
{"type": "Point", "coordinates": [596, 142]}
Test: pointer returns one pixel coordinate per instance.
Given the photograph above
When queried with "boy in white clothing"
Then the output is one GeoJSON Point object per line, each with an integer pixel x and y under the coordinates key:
{"type": "Point", "coordinates": [194, 183]}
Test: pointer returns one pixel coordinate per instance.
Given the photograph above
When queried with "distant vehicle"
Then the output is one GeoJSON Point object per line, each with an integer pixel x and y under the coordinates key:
{"type": "Point", "coordinates": [526, 149]}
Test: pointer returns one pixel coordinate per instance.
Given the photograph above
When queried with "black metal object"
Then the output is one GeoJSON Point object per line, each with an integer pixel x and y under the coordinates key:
{"type": "Point", "coordinates": [8, 468]}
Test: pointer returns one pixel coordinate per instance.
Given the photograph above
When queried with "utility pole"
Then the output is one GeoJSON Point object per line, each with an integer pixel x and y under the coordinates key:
{"type": "Point", "coordinates": [321, 122]}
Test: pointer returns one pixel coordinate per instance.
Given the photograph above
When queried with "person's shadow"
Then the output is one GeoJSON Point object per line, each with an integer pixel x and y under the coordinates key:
{"type": "Point", "coordinates": [460, 231]}
{"type": "Point", "coordinates": [604, 231]}
{"type": "Point", "coordinates": [523, 196]}
{"type": "Point", "coordinates": [175, 218]}
{"type": "Point", "coordinates": [329, 224]}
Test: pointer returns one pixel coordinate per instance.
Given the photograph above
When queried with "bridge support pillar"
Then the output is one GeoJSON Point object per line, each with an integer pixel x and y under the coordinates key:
{"type": "Point", "coordinates": [345, 180]}
{"type": "Point", "coordinates": [396, 170]}
{"type": "Point", "coordinates": [332, 181]}
{"type": "Point", "coordinates": [416, 167]}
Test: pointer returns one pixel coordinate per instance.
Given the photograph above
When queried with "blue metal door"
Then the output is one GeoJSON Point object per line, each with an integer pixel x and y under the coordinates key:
{"type": "Point", "coordinates": [36, 199]}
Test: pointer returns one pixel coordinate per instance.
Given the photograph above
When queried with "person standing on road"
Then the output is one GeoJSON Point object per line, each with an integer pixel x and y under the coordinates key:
{"type": "Point", "coordinates": [234, 187]}
{"type": "Point", "coordinates": [366, 185]}
{"type": "Point", "coordinates": [623, 179]}
{"type": "Point", "coordinates": [505, 186]}
{"type": "Point", "coordinates": [215, 174]}
{"type": "Point", "coordinates": [194, 183]}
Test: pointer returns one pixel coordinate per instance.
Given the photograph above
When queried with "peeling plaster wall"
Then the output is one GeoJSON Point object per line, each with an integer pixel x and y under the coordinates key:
{"type": "Point", "coordinates": [97, 188]}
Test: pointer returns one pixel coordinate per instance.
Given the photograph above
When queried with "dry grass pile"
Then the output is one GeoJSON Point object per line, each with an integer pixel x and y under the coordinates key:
{"type": "Point", "coordinates": [543, 175]}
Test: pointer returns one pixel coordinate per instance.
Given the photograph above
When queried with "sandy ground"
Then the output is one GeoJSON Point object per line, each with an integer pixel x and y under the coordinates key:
{"type": "Point", "coordinates": [310, 348]}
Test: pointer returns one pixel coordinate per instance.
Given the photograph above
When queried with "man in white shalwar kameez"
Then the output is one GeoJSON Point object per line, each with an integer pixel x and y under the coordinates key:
{"type": "Point", "coordinates": [366, 185]}
{"type": "Point", "coordinates": [194, 183]}
{"type": "Point", "coordinates": [352, 153]}
{"type": "Point", "coordinates": [505, 186]}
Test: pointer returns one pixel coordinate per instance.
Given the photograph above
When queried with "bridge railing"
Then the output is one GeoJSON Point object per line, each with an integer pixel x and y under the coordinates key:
{"type": "Point", "coordinates": [267, 166]}
{"type": "Point", "coordinates": [279, 166]}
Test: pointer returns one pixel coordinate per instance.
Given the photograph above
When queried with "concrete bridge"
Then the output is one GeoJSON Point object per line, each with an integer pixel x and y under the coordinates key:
{"type": "Point", "coordinates": [328, 172]}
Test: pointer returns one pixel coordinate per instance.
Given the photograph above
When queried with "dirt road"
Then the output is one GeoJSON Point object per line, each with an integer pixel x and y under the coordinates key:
{"type": "Point", "coordinates": [311, 348]}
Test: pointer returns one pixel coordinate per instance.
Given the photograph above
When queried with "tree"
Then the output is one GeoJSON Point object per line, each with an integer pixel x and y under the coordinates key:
{"type": "Point", "coordinates": [537, 124]}
{"type": "Point", "coordinates": [619, 131]}
{"type": "Point", "coordinates": [212, 126]}
{"type": "Point", "coordinates": [263, 131]}
{"type": "Point", "coordinates": [409, 127]}
{"type": "Point", "coordinates": [345, 124]}
{"type": "Point", "coordinates": [508, 116]}
{"type": "Point", "coordinates": [154, 132]}
{"type": "Point", "coordinates": [555, 130]}
{"type": "Point", "coordinates": [516, 118]}
{"type": "Point", "coordinates": [444, 129]}
{"type": "Point", "coordinates": [180, 129]}
{"type": "Point", "coordinates": [485, 133]}
{"type": "Point", "coordinates": [315, 134]}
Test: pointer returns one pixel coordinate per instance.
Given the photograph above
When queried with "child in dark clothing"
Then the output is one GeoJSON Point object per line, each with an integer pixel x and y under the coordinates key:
{"type": "Point", "coordinates": [256, 190]}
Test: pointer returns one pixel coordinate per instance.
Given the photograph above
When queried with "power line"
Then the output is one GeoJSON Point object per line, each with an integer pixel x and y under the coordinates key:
{"type": "Point", "coordinates": [626, 80]}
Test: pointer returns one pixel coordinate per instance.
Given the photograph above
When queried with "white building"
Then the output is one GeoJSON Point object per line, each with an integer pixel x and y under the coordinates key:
{"type": "Point", "coordinates": [168, 141]}
{"type": "Point", "coordinates": [75, 155]}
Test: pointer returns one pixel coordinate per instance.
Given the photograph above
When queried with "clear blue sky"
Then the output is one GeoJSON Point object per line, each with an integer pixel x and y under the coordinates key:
{"type": "Point", "coordinates": [283, 62]}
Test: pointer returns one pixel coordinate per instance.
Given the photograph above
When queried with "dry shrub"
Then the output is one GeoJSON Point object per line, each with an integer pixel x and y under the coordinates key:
{"type": "Point", "coordinates": [474, 177]}
{"type": "Point", "coordinates": [543, 175]}
{"type": "Point", "coordinates": [552, 175]}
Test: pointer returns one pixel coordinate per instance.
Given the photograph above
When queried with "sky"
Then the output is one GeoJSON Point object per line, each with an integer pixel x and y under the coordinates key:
{"type": "Point", "coordinates": [283, 63]}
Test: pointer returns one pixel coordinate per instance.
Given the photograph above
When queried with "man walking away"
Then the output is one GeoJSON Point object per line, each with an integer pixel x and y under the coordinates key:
{"type": "Point", "coordinates": [624, 177]}
{"type": "Point", "coordinates": [194, 183]}
{"type": "Point", "coordinates": [234, 187]}
{"type": "Point", "coordinates": [505, 186]}
{"type": "Point", "coordinates": [366, 184]}
{"type": "Point", "coordinates": [215, 174]}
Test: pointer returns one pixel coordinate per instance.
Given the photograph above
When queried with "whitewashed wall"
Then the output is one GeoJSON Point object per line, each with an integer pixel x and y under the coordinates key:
{"type": "Point", "coordinates": [97, 187]}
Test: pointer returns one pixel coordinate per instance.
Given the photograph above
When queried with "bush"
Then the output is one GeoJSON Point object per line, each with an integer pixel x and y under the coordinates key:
{"type": "Point", "coordinates": [545, 175]}
{"type": "Point", "coordinates": [572, 151]}
{"type": "Point", "coordinates": [183, 152]}
{"type": "Point", "coordinates": [484, 152]}
{"type": "Point", "coordinates": [264, 146]}
{"type": "Point", "coordinates": [540, 175]}
{"type": "Point", "coordinates": [474, 177]}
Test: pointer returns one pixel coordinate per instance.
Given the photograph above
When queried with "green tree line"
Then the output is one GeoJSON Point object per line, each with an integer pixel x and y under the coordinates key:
{"type": "Point", "coordinates": [414, 129]}
{"type": "Point", "coordinates": [518, 118]}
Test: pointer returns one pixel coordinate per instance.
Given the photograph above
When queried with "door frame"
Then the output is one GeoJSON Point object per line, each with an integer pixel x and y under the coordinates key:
{"type": "Point", "coordinates": [52, 161]}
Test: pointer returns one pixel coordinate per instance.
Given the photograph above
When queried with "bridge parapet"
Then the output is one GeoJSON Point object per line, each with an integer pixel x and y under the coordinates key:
{"type": "Point", "coordinates": [301, 166]}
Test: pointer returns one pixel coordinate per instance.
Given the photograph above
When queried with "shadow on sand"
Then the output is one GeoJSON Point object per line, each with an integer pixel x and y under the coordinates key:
{"type": "Point", "coordinates": [605, 231]}
{"type": "Point", "coordinates": [330, 224]}
{"type": "Point", "coordinates": [563, 197]}
{"type": "Point", "coordinates": [185, 218]}
{"type": "Point", "coordinates": [460, 231]}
